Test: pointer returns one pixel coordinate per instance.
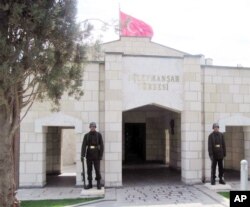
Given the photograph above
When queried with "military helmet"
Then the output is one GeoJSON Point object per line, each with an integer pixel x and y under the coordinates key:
{"type": "Point", "coordinates": [92, 124]}
{"type": "Point", "coordinates": [216, 125]}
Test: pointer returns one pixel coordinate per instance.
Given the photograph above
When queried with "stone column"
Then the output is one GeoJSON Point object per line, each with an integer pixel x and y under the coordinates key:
{"type": "Point", "coordinates": [33, 159]}
{"type": "Point", "coordinates": [41, 158]}
{"type": "Point", "coordinates": [79, 181]}
{"type": "Point", "coordinates": [113, 119]}
{"type": "Point", "coordinates": [246, 130]}
{"type": "Point", "coordinates": [191, 126]}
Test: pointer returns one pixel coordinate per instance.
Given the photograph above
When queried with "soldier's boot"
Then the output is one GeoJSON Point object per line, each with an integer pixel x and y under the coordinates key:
{"type": "Point", "coordinates": [221, 181]}
{"type": "Point", "coordinates": [213, 179]}
{"type": "Point", "coordinates": [89, 185]}
{"type": "Point", "coordinates": [99, 187]}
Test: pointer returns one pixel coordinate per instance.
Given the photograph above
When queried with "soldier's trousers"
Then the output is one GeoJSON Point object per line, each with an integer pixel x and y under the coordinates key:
{"type": "Point", "coordinates": [213, 168]}
{"type": "Point", "coordinates": [96, 164]}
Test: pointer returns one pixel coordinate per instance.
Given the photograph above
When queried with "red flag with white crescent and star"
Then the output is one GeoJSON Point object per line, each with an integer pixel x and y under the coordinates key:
{"type": "Point", "coordinates": [131, 26]}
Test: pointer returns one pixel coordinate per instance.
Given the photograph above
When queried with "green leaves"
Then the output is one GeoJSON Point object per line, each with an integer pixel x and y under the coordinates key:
{"type": "Point", "coordinates": [41, 49]}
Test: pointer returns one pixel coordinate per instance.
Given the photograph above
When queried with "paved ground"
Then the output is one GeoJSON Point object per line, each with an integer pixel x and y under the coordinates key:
{"type": "Point", "coordinates": [143, 187]}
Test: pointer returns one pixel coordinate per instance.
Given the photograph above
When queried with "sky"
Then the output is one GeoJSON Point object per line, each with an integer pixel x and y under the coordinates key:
{"type": "Point", "coordinates": [217, 29]}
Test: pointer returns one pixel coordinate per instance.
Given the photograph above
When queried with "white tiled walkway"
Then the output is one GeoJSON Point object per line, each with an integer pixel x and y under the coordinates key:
{"type": "Point", "coordinates": [149, 191]}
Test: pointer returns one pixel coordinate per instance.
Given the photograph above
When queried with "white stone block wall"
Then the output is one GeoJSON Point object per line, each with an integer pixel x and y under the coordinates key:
{"type": "Point", "coordinates": [113, 120]}
{"type": "Point", "coordinates": [89, 112]}
{"type": "Point", "coordinates": [140, 46]}
{"type": "Point", "coordinates": [79, 181]}
{"type": "Point", "coordinates": [32, 156]}
{"type": "Point", "coordinates": [191, 122]}
{"type": "Point", "coordinates": [226, 94]}
{"type": "Point", "coordinates": [209, 94]}
{"type": "Point", "coordinates": [68, 147]}
{"type": "Point", "coordinates": [101, 126]}
{"type": "Point", "coordinates": [85, 110]}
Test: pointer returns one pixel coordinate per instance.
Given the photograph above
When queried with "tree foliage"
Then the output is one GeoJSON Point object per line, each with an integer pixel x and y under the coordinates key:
{"type": "Point", "coordinates": [41, 53]}
{"type": "Point", "coordinates": [41, 57]}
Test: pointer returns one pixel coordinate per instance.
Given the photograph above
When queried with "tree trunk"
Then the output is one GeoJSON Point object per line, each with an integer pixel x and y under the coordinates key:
{"type": "Point", "coordinates": [16, 153]}
{"type": "Point", "coordinates": [7, 182]}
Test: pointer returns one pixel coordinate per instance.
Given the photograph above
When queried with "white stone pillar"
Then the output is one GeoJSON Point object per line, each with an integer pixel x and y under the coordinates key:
{"type": "Point", "coordinates": [243, 175]}
{"type": "Point", "coordinates": [79, 137]}
{"type": "Point", "coordinates": [33, 159]}
{"type": "Point", "coordinates": [91, 113]}
{"type": "Point", "coordinates": [246, 130]}
{"type": "Point", "coordinates": [191, 121]}
{"type": "Point", "coordinates": [41, 155]}
{"type": "Point", "coordinates": [113, 120]}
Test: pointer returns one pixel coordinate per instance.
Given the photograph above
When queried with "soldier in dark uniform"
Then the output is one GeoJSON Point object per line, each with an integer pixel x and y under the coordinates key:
{"type": "Point", "coordinates": [217, 152]}
{"type": "Point", "coordinates": [92, 149]}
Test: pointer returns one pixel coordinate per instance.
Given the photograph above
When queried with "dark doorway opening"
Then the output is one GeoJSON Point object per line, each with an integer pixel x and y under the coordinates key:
{"type": "Point", "coordinates": [60, 157]}
{"type": "Point", "coordinates": [135, 143]}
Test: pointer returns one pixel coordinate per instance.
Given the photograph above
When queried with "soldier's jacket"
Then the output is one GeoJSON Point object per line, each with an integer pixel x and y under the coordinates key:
{"type": "Point", "coordinates": [216, 145]}
{"type": "Point", "coordinates": [92, 146]}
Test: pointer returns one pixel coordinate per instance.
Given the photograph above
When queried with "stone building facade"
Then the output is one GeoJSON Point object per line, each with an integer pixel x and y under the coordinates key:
{"type": "Point", "coordinates": [161, 100]}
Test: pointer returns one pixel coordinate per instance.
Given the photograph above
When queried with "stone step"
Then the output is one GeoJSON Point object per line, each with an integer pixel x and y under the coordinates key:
{"type": "Point", "coordinates": [93, 192]}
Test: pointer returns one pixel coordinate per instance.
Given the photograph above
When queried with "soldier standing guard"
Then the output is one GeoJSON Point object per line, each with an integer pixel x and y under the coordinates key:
{"type": "Point", "coordinates": [217, 152]}
{"type": "Point", "coordinates": [92, 149]}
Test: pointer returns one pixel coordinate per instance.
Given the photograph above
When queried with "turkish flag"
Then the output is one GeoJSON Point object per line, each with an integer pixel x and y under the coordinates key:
{"type": "Point", "coordinates": [131, 26]}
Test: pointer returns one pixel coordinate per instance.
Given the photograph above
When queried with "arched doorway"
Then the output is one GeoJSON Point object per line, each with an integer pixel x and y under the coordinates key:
{"type": "Point", "coordinates": [236, 130]}
{"type": "Point", "coordinates": [47, 133]}
{"type": "Point", "coordinates": [151, 144]}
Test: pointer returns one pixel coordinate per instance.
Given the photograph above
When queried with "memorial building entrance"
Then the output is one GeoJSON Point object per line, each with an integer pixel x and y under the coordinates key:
{"type": "Point", "coordinates": [151, 144]}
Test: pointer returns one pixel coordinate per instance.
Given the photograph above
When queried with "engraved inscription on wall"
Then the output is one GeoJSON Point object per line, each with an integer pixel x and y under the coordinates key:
{"type": "Point", "coordinates": [153, 82]}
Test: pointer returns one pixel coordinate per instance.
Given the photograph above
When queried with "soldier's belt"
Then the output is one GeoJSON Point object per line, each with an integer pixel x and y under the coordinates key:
{"type": "Point", "coordinates": [92, 147]}
{"type": "Point", "coordinates": [217, 145]}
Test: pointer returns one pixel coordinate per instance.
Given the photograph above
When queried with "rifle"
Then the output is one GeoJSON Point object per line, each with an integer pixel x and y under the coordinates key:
{"type": "Point", "coordinates": [83, 174]}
